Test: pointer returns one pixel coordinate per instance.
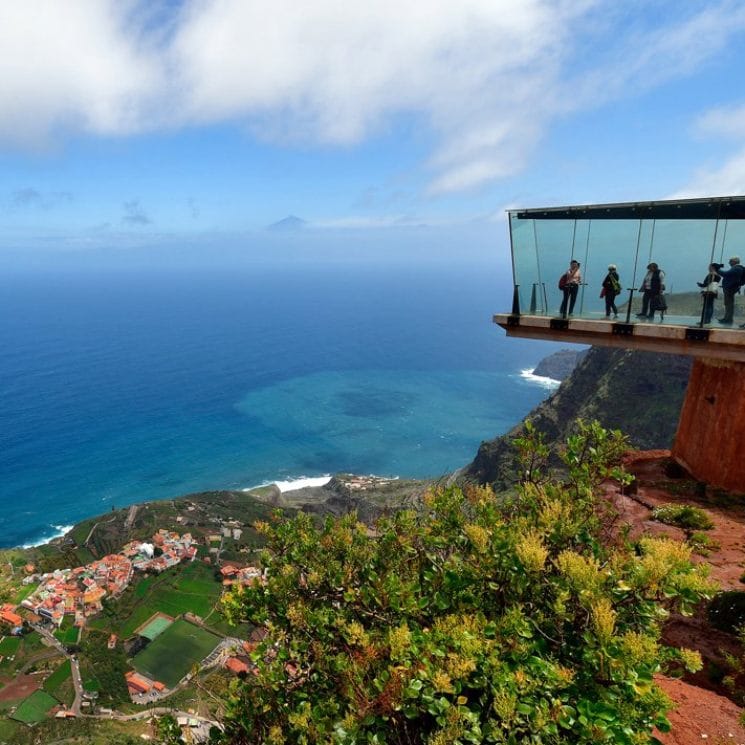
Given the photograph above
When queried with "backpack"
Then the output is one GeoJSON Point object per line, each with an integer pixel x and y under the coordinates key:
{"type": "Point", "coordinates": [615, 285]}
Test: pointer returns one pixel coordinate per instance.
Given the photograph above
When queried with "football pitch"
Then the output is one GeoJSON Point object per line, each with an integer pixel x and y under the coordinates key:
{"type": "Point", "coordinates": [173, 653]}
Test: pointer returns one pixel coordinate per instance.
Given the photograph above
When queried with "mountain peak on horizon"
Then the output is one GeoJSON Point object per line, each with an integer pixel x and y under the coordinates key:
{"type": "Point", "coordinates": [291, 222]}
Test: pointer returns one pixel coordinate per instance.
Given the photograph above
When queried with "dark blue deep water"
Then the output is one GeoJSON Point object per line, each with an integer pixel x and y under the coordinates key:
{"type": "Point", "coordinates": [118, 387]}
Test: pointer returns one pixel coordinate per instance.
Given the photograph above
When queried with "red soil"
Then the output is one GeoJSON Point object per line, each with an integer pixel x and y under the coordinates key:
{"type": "Point", "coordinates": [701, 715]}
{"type": "Point", "coordinates": [20, 687]}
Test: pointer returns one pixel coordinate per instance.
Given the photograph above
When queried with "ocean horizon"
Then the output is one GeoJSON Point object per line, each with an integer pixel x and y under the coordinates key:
{"type": "Point", "coordinates": [120, 387]}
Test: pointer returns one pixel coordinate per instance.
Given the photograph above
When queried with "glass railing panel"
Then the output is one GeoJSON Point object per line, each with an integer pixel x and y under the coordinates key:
{"type": "Point", "coordinates": [683, 250]}
{"type": "Point", "coordinates": [607, 242]}
{"type": "Point", "coordinates": [682, 239]}
{"type": "Point", "coordinates": [557, 244]}
{"type": "Point", "coordinates": [525, 265]}
{"type": "Point", "coordinates": [730, 241]}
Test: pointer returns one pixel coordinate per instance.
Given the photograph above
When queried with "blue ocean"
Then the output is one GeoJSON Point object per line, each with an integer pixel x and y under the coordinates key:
{"type": "Point", "coordinates": [118, 386]}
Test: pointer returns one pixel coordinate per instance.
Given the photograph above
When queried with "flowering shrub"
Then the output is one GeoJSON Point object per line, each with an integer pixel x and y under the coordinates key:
{"type": "Point", "coordinates": [477, 619]}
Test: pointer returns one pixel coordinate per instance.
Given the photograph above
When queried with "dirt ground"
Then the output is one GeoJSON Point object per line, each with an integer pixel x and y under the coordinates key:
{"type": "Point", "coordinates": [701, 716]}
{"type": "Point", "coordinates": [20, 687]}
{"type": "Point", "coordinates": [703, 713]}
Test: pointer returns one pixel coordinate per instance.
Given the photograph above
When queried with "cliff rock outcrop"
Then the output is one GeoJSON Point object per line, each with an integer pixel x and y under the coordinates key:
{"type": "Point", "coordinates": [640, 393]}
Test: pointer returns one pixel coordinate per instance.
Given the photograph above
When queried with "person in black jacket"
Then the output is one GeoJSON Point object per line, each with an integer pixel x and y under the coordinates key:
{"type": "Point", "coordinates": [657, 297]}
{"type": "Point", "coordinates": [653, 287]}
{"type": "Point", "coordinates": [611, 289]}
{"type": "Point", "coordinates": [732, 278]}
{"type": "Point", "coordinates": [710, 290]}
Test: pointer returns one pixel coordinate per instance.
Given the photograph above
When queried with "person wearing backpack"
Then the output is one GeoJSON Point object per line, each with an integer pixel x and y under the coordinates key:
{"type": "Point", "coordinates": [611, 290]}
{"type": "Point", "coordinates": [732, 280]}
{"type": "Point", "coordinates": [569, 284]}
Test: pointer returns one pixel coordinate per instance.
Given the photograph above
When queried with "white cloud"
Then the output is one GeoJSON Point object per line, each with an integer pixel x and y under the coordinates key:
{"type": "Point", "coordinates": [77, 65]}
{"type": "Point", "coordinates": [479, 74]}
{"type": "Point", "coordinates": [728, 179]}
{"type": "Point", "coordinates": [725, 121]}
{"type": "Point", "coordinates": [484, 78]}
{"type": "Point", "coordinates": [642, 53]}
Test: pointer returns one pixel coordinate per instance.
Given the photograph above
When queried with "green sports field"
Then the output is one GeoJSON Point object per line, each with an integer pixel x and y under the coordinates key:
{"type": "Point", "coordinates": [9, 645]}
{"type": "Point", "coordinates": [173, 653]}
{"type": "Point", "coordinates": [155, 626]}
{"type": "Point", "coordinates": [34, 709]}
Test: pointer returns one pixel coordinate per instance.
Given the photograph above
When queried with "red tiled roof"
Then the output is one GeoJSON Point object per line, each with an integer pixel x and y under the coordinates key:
{"type": "Point", "coordinates": [236, 666]}
{"type": "Point", "coordinates": [9, 617]}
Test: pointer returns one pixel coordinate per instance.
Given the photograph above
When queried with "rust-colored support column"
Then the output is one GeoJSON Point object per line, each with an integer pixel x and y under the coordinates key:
{"type": "Point", "coordinates": [710, 442]}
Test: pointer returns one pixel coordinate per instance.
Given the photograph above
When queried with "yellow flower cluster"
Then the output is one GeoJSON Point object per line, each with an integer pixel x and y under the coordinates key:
{"type": "Point", "coordinates": [638, 648]}
{"type": "Point", "coordinates": [459, 666]}
{"type": "Point", "coordinates": [296, 615]}
{"type": "Point", "coordinates": [300, 719]}
{"type": "Point", "coordinates": [565, 676]}
{"type": "Point", "coordinates": [660, 558]}
{"type": "Point", "coordinates": [691, 660]}
{"type": "Point", "coordinates": [554, 512]}
{"type": "Point", "coordinates": [262, 527]}
{"type": "Point", "coordinates": [531, 552]}
{"type": "Point", "coordinates": [399, 641]}
{"type": "Point", "coordinates": [478, 495]}
{"type": "Point", "coordinates": [355, 634]}
{"type": "Point", "coordinates": [504, 706]}
{"type": "Point", "coordinates": [478, 536]}
{"type": "Point", "coordinates": [603, 619]}
{"type": "Point", "coordinates": [442, 682]}
{"type": "Point", "coordinates": [582, 572]}
{"type": "Point", "coordinates": [313, 579]}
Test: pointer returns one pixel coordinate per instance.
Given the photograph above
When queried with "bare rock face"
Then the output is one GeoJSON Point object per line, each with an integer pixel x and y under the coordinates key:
{"type": "Point", "coordinates": [640, 393]}
{"type": "Point", "coordinates": [712, 426]}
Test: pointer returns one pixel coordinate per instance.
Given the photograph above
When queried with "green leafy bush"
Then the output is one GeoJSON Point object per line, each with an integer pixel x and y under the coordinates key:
{"type": "Point", "coordinates": [702, 543]}
{"type": "Point", "coordinates": [478, 619]}
{"type": "Point", "coordinates": [683, 516]}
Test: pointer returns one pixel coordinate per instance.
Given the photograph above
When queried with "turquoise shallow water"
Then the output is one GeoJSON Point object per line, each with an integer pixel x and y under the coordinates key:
{"type": "Point", "coordinates": [118, 387]}
{"type": "Point", "coordinates": [393, 422]}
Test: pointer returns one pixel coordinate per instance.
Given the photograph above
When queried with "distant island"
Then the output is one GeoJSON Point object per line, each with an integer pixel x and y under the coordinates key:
{"type": "Point", "coordinates": [289, 224]}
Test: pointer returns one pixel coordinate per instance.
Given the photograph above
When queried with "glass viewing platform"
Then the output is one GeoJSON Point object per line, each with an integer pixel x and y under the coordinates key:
{"type": "Point", "coordinates": [661, 253]}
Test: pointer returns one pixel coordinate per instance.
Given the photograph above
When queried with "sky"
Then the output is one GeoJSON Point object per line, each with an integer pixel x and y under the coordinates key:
{"type": "Point", "coordinates": [165, 126]}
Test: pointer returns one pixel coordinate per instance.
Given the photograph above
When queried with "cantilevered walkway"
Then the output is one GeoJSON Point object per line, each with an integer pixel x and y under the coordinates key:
{"type": "Point", "coordinates": [679, 240]}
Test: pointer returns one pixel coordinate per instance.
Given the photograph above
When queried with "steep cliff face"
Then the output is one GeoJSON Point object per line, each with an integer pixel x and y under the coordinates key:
{"type": "Point", "coordinates": [560, 365]}
{"type": "Point", "coordinates": [640, 393]}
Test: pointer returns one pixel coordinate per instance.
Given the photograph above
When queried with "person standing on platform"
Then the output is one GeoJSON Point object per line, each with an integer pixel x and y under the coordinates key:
{"type": "Point", "coordinates": [732, 278]}
{"type": "Point", "coordinates": [569, 284]}
{"type": "Point", "coordinates": [646, 289]}
{"type": "Point", "coordinates": [611, 290]}
{"type": "Point", "coordinates": [656, 292]}
{"type": "Point", "coordinates": [710, 290]}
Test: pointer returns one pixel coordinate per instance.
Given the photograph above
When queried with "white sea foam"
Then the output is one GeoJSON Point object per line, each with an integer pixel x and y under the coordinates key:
{"type": "Point", "coordinates": [299, 483]}
{"type": "Point", "coordinates": [541, 380]}
{"type": "Point", "coordinates": [60, 530]}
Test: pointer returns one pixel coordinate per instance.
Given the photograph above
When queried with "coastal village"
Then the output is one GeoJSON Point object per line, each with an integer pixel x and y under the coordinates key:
{"type": "Point", "coordinates": [157, 657]}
